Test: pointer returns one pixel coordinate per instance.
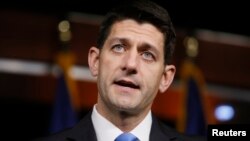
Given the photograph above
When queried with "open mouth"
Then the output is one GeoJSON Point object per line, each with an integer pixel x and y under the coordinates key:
{"type": "Point", "coordinates": [128, 84]}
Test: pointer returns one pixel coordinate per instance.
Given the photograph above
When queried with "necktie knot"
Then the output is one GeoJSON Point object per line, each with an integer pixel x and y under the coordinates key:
{"type": "Point", "coordinates": [126, 137]}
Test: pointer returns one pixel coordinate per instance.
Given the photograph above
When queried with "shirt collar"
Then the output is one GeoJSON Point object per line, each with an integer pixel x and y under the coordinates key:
{"type": "Point", "coordinates": [106, 131]}
{"type": "Point", "coordinates": [142, 130]}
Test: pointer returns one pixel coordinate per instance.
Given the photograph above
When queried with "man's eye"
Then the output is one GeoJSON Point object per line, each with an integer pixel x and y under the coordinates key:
{"type": "Point", "coordinates": [148, 56]}
{"type": "Point", "coordinates": [118, 48]}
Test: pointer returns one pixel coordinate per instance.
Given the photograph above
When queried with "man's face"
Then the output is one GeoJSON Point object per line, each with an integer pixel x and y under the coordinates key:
{"type": "Point", "coordinates": [131, 66]}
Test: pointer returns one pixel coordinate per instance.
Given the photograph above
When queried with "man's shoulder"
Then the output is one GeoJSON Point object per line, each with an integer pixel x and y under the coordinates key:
{"type": "Point", "coordinates": [173, 134]}
{"type": "Point", "coordinates": [82, 130]}
{"type": "Point", "coordinates": [59, 136]}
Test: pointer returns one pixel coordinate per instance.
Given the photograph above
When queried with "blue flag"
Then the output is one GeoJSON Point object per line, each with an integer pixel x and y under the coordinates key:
{"type": "Point", "coordinates": [195, 120]}
{"type": "Point", "coordinates": [192, 118]}
{"type": "Point", "coordinates": [63, 114]}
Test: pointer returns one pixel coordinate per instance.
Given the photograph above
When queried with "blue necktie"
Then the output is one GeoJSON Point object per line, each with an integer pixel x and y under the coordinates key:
{"type": "Point", "coordinates": [126, 137]}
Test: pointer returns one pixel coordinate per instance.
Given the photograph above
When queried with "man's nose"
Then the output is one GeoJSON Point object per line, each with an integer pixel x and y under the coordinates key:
{"type": "Point", "coordinates": [131, 62]}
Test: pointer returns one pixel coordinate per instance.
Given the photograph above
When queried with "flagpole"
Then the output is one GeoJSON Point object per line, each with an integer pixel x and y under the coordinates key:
{"type": "Point", "coordinates": [67, 102]}
{"type": "Point", "coordinates": [191, 119]}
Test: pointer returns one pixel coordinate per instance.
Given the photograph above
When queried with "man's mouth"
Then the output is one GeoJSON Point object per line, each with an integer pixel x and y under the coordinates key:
{"type": "Point", "coordinates": [128, 84]}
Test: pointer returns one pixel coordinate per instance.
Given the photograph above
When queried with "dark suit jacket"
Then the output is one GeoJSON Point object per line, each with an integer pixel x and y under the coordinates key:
{"type": "Point", "coordinates": [84, 131]}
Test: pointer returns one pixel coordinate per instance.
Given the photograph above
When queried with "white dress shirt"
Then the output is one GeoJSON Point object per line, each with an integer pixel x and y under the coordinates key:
{"type": "Point", "coordinates": [107, 131]}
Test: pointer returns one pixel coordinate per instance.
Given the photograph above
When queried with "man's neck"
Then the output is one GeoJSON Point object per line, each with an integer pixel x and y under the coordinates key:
{"type": "Point", "coordinates": [125, 121]}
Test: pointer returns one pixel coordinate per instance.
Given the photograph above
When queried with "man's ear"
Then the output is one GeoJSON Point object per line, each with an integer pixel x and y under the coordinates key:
{"type": "Point", "coordinates": [167, 77]}
{"type": "Point", "coordinates": [93, 60]}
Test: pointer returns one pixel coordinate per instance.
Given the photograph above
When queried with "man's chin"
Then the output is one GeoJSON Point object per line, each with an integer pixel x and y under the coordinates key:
{"type": "Point", "coordinates": [127, 109]}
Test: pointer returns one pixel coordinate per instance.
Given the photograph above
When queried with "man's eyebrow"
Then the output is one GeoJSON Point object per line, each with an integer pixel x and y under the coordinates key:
{"type": "Point", "coordinates": [119, 39]}
{"type": "Point", "coordinates": [147, 46]}
{"type": "Point", "coordinates": [143, 46]}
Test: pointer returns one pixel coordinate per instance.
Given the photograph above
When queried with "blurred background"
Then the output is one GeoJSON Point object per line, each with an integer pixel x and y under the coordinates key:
{"type": "Point", "coordinates": [45, 84]}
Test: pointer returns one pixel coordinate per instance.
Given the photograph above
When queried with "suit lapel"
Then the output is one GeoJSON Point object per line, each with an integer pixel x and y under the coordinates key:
{"type": "Point", "coordinates": [160, 132]}
{"type": "Point", "coordinates": [83, 131]}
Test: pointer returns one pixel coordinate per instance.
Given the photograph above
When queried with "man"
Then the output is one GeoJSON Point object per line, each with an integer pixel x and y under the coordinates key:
{"type": "Point", "coordinates": [132, 62]}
